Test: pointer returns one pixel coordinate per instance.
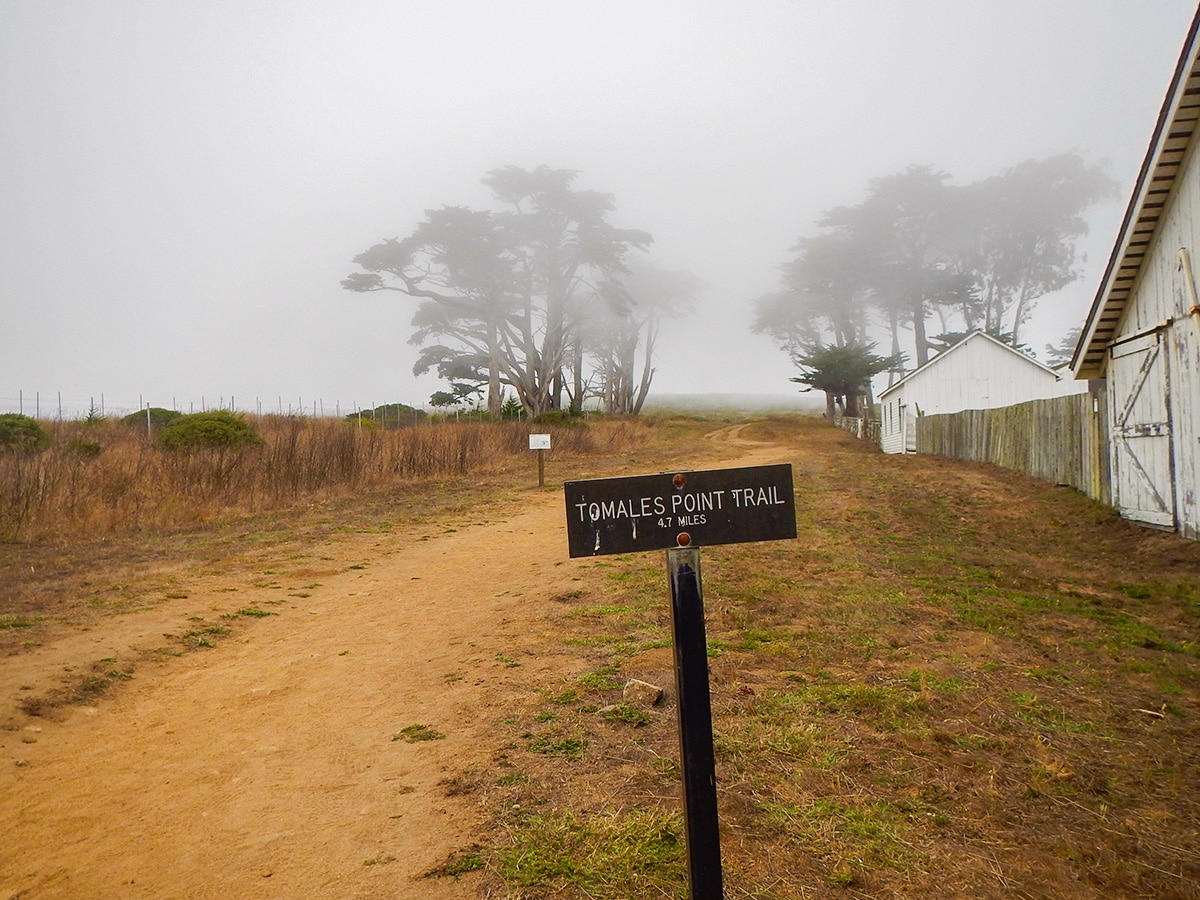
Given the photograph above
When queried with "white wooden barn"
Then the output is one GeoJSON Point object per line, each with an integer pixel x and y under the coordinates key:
{"type": "Point", "coordinates": [1142, 334]}
{"type": "Point", "coordinates": [979, 372]}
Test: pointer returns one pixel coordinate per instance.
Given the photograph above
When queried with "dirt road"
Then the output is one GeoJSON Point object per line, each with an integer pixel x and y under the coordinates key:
{"type": "Point", "coordinates": [276, 763]}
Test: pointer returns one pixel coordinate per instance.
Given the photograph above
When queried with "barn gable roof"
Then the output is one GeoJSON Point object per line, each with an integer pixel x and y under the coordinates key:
{"type": "Point", "coordinates": [973, 336]}
{"type": "Point", "coordinates": [1161, 171]}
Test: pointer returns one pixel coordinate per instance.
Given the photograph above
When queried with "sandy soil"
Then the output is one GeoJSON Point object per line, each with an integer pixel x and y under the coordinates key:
{"type": "Point", "coordinates": [273, 764]}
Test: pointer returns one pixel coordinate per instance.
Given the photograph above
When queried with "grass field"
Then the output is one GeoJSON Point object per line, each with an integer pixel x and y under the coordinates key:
{"type": "Point", "coordinates": [955, 681]}
{"type": "Point", "coordinates": [109, 478]}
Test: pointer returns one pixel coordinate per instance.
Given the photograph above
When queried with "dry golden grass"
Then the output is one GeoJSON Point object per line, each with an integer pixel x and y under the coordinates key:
{"type": "Point", "coordinates": [957, 681]}
{"type": "Point", "coordinates": [109, 478]}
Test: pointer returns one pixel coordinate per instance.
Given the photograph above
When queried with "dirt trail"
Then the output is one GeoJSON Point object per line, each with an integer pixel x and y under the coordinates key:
{"type": "Point", "coordinates": [274, 765]}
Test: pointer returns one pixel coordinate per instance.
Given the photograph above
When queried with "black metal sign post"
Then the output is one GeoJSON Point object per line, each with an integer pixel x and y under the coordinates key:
{"type": "Point", "coordinates": [677, 513]}
{"type": "Point", "coordinates": [697, 761]}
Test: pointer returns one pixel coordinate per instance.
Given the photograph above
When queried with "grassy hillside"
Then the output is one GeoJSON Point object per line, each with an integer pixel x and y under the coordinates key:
{"type": "Point", "coordinates": [956, 681]}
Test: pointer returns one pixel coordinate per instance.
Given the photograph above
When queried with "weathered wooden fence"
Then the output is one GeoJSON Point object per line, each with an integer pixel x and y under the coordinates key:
{"type": "Point", "coordinates": [1063, 440]}
{"type": "Point", "coordinates": [860, 428]}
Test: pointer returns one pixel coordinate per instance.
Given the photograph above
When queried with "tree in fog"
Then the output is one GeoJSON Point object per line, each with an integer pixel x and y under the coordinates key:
{"type": "Point", "coordinates": [1064, 351]}
{"type": "Point", "coordinates": [454, 263]}
{"type": "Point", "coordinates": [903, 231]}
{"type": "Point", "coordinates": [1021, 229]}
{"type": "Point", "coordinates": [821, 299]}
{"type": "Point", "coordinates": [628, 321]}
{"type": "Point", "coordinates": [918, 254]}
{"type": "Point", "coordinates": [502, 294]}
{"type": "Point", "coordinates": [563, 250]}
{"type": "Point", "coordinates": [844, 373]}
{"type": "Point", "coordinates": [888, 255]}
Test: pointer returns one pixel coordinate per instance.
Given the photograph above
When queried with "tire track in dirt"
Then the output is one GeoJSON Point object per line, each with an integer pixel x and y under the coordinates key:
{"type": "Point", "coordinates": [749, 452]}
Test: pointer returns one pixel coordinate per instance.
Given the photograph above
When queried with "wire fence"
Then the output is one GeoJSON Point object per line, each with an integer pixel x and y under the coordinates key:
{"type": "Point", "coordinates": [51, 406]}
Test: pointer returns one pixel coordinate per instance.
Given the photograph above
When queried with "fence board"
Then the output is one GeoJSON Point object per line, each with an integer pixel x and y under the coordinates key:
{"type": "Point", "coordinates": [1063, 440]}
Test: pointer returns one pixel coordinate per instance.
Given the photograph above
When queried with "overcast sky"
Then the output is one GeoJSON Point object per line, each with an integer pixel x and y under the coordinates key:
{"type": "Point", "coordinates": [183, 185]}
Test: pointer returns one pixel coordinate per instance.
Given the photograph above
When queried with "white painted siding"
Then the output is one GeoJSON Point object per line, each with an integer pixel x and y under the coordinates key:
{"type": "Point", "coordinates": [978, 373]}
{"type": "Point", "coordinates": [1184, 350]}
{"type": "Point", "coordinates": [1067, 385]}
{"type": "Point", "coordinates": [1161, 294]}
{"type": "Point", "coordinates": [893, 413]}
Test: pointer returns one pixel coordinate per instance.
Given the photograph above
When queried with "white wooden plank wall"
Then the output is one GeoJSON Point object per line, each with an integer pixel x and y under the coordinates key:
{"type": "Point", "coordinates": [1161, 293]}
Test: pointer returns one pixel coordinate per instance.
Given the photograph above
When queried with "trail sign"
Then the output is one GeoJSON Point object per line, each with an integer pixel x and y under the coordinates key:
{"type": "Point", "coordinates": [540, 443]}
{"type": "Point", "coordinates": [649, 512]}
{"type": "Point", "coordinates": [680, 512]}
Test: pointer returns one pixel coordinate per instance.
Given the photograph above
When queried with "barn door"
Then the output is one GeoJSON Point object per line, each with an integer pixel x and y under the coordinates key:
{"type": "Point", "coordinates": [1139, 385]}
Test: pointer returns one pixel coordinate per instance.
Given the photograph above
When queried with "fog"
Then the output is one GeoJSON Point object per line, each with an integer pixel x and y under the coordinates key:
{"type": "Point", "coordinates": [185, 184]}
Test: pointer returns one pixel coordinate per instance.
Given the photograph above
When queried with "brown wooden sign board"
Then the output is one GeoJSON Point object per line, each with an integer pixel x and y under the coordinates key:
{"type": "Point", "coordinates": [648, 512]}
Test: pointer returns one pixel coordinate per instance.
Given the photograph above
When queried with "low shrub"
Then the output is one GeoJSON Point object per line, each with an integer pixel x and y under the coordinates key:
{"type": "Point", "coordinates": [512, 409]}
{"type": "Point", "coordinates": [22, 434]}
{"type": "Point", "coordinates": [83, 448]}
{"type": "Point", "coordinates": [155, 416]}
{"type": "Point", "coordinates": [219, 428]}
{"type": "Point", "coordinates": [390, 415]}
{"type": "Point", "coordinates": [560, 417]}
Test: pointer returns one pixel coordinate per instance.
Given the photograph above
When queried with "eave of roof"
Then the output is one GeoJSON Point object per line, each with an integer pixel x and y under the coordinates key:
{"type": "Point", "coordinates": [1173, 135]}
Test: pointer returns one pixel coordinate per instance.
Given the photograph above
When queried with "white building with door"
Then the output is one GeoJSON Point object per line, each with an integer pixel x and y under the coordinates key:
{"type": "Point", "coordinates": [1142, 334]}
{"type": "Point", "coordinates": [979, 372]}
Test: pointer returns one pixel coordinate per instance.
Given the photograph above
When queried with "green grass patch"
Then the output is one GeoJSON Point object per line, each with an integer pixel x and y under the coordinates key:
{"type": "Point", "coordinates": [603, 679]}
{"type": "Point", "coordinates": [553, 745]}
{"type": "Point", "coordinates": [415, 734]}
{"type": "Point", "coordinates": [249, 612]}
{"type": "Point", "coordinates": [596, 612]}
{"type": "Point", "coordinates": [627, 715]}
{"type": "Point", "coordinates": [771, 641]}
{"type": "Point", "coordinates": [888, 706]}
{"type": "Point", "coordinates": [613, 856]}
{"type": "Point", "coordinates": [1045, 716]}
{"type": "Point", "coordinates": [459, 864]}
{"type": "Point", "coordinates": [850, 835]}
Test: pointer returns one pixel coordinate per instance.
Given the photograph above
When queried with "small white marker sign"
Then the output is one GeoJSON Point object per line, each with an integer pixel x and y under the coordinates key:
{"type": "Point", "coordinates": [539, 442]}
